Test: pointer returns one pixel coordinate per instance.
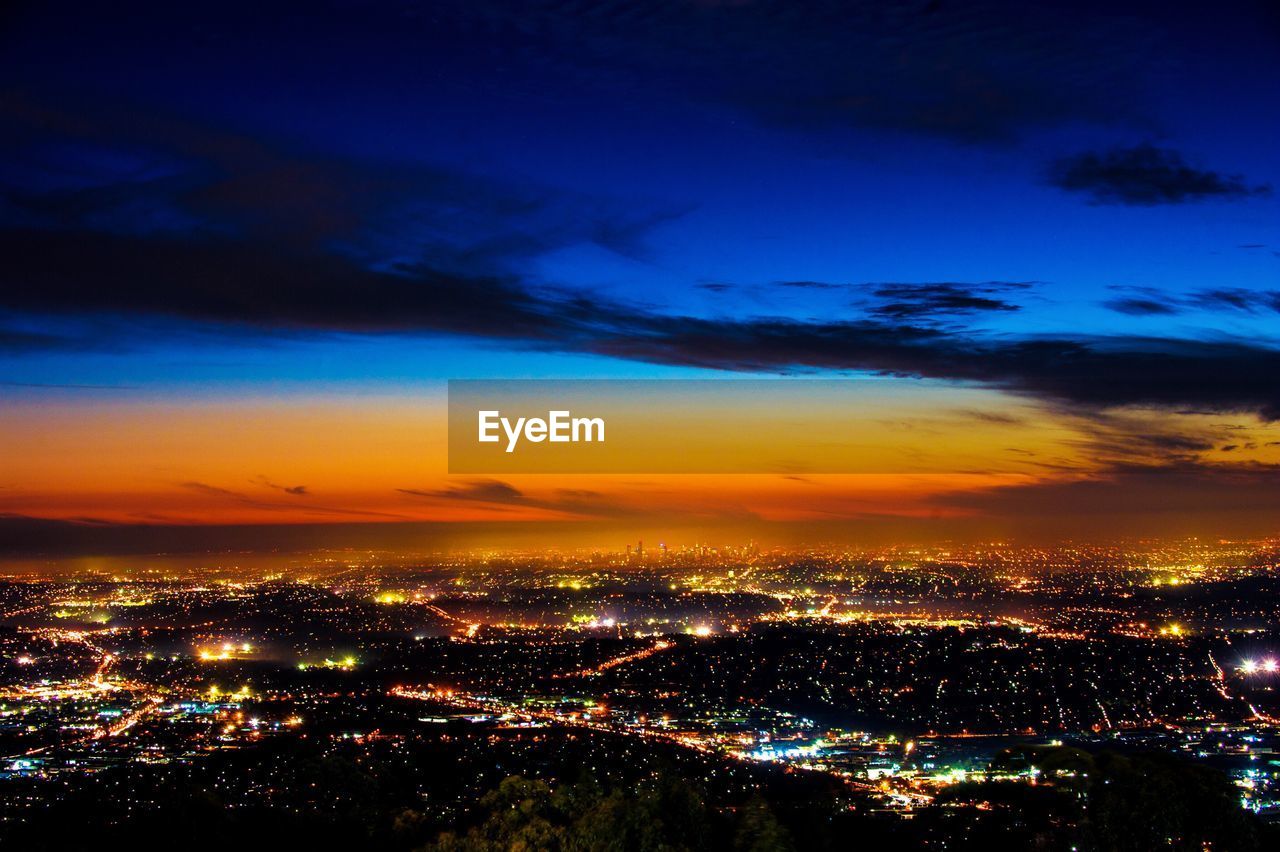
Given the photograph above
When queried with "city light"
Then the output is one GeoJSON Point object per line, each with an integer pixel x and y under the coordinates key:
{"type": "Point", "coordinates": [225, 651]}
{"type": "Point", "coordinates": [526, 654]}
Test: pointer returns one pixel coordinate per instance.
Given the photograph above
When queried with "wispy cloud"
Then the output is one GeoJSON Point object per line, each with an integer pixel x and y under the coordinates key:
{"type": "Point", "coordinates": [295, 490]}
{"type": "Point", "coordinates": [1148, 301]}
{"type": "Point", "coordinates": [231, 495]}
{"type": "Point", "coordinates": [584, 503]}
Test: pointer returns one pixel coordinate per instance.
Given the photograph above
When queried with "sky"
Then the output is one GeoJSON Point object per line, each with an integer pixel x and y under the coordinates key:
{"type": "Point", "coordinates": [243, 252]}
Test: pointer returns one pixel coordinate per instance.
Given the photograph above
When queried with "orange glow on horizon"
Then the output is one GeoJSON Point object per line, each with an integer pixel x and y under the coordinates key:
{"type": "Point", "coordinates": [370, 459]}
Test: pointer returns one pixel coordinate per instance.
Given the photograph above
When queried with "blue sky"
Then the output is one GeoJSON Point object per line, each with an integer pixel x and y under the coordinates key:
{"type": "Point", "coordinates": [667, 160]}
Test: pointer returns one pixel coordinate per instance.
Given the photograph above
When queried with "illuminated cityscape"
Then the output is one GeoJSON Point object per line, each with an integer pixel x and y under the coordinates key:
{"type": "Point", "coordinates": [915, 685]}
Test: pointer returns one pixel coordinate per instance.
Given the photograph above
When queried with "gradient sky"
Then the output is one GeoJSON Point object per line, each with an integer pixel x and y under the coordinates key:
{"type": "Point", "coordinates": [243, 252]}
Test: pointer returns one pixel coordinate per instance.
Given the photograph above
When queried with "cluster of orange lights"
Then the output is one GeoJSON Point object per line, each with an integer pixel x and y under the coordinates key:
{"type": "Point", "coordinates": [227, 651]}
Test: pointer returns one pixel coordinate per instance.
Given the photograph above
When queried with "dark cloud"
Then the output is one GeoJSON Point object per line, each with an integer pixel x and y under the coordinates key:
{"type": "Point", "coordinates": [1150, 301]}
{"type": "Point", "coordinates": [496, 493]}
{"type": "Point", "coordinates": [1246, 494]}
{"type": "Point", "coordinates": [1237, 299]}
{"type": "Point", "coordinates": [265, 288]}
{"type": "Point", "coordinates": [1123, 440]}
{"type": "Point", "coordinates": [1145, 176]}
{"type": "Point", "coordinates": [924, 301]}
{"type": "Point", "coordinates": [1240, 300]}
{"type": "Point", "coordinates": [17, 341]}
{"type": "Point", "coordinates": [1177, 443]}
{"type": "Point", "coordinates": [1092, 371]}
{"type": "Point", "coordinates": [122, 215]}
{"type": "Point", "coordinates": [994, 417]}
{"type": "Point", "coordinates": [295, 490]}
{"type": "Point", "coordinates": [483, 490]}
{"type": "Point", "coordinates": [1138, 307]}
{"type": "Point", "coordinates": [810, 285]}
